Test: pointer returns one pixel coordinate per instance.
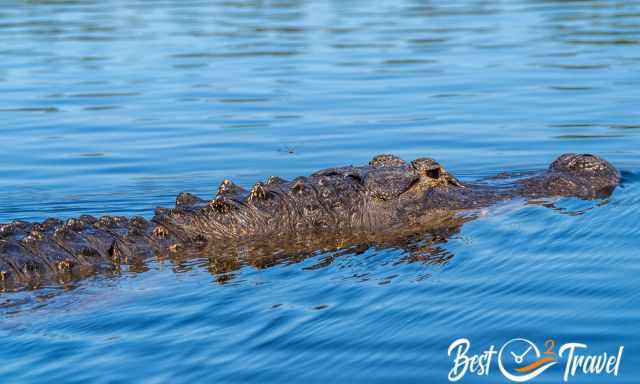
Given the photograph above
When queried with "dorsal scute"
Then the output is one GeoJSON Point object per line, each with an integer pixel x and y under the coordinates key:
{"type": "Point", "coordinates": [137, 226]}
{"type": "Point", "coordinates": [188, 200]}
{"type": "Point", "coordinates": [275, 180]}
{"type": "Point", "coordinates": [221, 205]}
{"type": "Point", "coordinates": [298, 184]}
{"type": "Point", "coordinates": [258, 192]}
{"type": "Point", "coordinates": [229, 188]}
{"type": "Point", "coordinates": [386, 160]}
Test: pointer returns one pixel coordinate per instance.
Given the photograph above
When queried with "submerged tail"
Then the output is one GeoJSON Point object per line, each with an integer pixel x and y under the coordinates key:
{"type": "Point", "coordinates": [35, 253]}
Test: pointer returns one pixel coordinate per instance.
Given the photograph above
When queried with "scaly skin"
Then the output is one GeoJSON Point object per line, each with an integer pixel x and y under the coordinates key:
{"type": "Point", "coordinates": [385, 200]}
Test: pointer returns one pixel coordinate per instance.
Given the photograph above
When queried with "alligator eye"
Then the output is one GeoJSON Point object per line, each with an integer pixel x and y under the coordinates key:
{"type": "Point", "coordinates": [433, 173]}
{"type": "Point", "coordinates": [427, 167]}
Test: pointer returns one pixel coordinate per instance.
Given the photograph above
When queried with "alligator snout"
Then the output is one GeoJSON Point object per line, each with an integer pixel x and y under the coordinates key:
{"type": "Point", "coordinates": [583, 163]}
{"type": "Point", "coordinates": [589, 169]}
{"type": "Point", "coordinates": [572, 174]}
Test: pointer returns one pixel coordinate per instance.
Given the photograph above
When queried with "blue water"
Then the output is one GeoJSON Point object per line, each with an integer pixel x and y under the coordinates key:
{"type": "Point", "coordinates": [114, 107]}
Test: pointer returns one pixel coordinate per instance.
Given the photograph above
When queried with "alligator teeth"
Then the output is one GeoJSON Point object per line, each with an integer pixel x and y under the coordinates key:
{"type": "Point", "coordinates": [258, 192]}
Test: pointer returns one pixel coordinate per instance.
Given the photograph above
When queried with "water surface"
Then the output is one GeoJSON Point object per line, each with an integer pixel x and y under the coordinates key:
{"type": "Point", "coordinates": [114, 107]}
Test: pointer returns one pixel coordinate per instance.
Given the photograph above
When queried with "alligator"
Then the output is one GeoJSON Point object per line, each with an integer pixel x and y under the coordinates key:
{"type": "Point", "coordinates": [329, 209]}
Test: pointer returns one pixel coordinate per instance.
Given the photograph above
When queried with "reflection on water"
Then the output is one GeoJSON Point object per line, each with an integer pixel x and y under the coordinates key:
{"type": "Point", "coordinates": [113, 107]}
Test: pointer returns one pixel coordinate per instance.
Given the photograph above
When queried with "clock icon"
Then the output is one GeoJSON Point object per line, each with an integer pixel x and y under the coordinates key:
{"type": "Point", "coordinates": [520, 360]}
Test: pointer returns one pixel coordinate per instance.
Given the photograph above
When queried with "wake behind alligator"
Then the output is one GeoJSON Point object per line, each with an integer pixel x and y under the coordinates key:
{"type": "Point", "coordinates": [383, 201]}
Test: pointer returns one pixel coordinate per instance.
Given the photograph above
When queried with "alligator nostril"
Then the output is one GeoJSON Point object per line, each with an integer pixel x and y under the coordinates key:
{"type": "Point", "coordinates": [433, 173]}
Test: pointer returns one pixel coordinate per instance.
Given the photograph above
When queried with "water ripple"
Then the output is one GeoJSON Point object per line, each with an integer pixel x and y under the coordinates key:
{"type": "Point", "coordinates": [115, 107]}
